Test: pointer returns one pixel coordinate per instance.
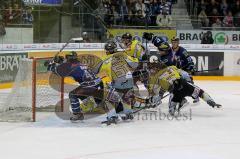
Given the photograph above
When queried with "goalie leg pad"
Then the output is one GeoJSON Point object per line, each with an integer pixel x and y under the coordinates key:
{"type": "Point", "coordinates": [75, 104]}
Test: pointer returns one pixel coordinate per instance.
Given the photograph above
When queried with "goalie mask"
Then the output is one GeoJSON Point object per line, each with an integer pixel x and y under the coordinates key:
{"type": "Point", "coordinates": [110, 47]}
{"type": "Point", "coordinates": [71, 56]}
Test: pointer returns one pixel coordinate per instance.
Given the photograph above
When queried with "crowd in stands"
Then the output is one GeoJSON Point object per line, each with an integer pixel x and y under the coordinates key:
{"type": "Point", "coordinates": [138, 12]}
{"type": "Point", "coordinates": [14, 12]}
{"type": "Point", "coordinates": [219, 14]}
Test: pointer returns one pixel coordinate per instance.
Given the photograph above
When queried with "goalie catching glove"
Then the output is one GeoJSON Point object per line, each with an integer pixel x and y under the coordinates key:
{"type": "Point", "coordinates": [56, 59]}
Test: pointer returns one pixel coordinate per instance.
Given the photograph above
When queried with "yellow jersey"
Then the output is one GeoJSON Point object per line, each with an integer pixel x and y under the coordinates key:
{"type": "Point", "coordinates": [135, 50]}
{"type": "Point", "coordinates": [163, 79]}
{"type": "Point", "coordinates": [117, 68]}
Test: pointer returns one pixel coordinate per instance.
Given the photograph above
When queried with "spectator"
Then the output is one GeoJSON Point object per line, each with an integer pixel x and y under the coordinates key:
{"type": "Point", "coordinates": [203, 19]}
{"type": "Point", "coordinates": [217, 25]}
{"type": "Point", "coordinates": [211, 5]}
{"type": "Point", "coordinates": [236, 7]}
{"type": "Point", "coordinates": [164, 19]}
{"type": "Point", "coordinates": [117, 16]}
{"type": "Point", "coordinates": [8, 15]}
{"type": "Point", "coordinates": [131, 6]}
{"type": "Point", "coordinates": [27, 16]}
{"type": "Point", "coordinates": [138, 19]}
{"type": "Point", "coordinates": [213, 16]}
{"type": "Point", "coordinates": [155, 7]}
{"type": "Point", "coordinates": [201, 5]}
{"type": "Point", "coordinates": [228, 20]}
{"type": "Point", "coordinates": [224, 7]}
{"type": "Point", "coordinates": [86, 38]}
{"type": "Point", "coordinates": [165, 6]}
{"type": "Point", "coordinates": [237, 20]}
{"type": "Point", "coordinates": [2, 29]}
{"type": "Point", "coordinates": [207, 38]}
{"type": "Point", "coordinates": [17, 14]}
{"type": "Point", "coordinates": [108, 15]}
{"type": "Point", "coordinates": [140, 6]}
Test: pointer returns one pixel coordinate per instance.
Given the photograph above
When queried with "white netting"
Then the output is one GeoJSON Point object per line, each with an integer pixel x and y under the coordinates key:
{"type": "Point", "coordinates": [18, 104]}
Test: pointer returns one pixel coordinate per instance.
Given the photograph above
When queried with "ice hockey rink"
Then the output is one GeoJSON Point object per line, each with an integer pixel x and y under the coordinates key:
{"type": "Point", "coordinates": [207, 133]}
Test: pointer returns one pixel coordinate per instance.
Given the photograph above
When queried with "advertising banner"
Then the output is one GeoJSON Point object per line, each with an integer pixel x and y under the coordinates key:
{"type": "Point", "coordinates": [208, 61]}
{"type": "Point", "coordinates": [9, 64]}
{"type": "Point", "coordinates": [219, 37]}
{"type": "Point", "coordinates": [137, 33]}
{"type": "Point", "coordinates": [236, 63]}
{"type": "Point", "coordinates": [43, 2]}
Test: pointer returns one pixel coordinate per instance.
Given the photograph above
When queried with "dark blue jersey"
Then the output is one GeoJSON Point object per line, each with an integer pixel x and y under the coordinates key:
{"type": "Point", "coordinates": [184, 61]}
{"type": "Point", "coordinates": [168, 59]}
{"type": "Point", "coordinates": [79, 72]}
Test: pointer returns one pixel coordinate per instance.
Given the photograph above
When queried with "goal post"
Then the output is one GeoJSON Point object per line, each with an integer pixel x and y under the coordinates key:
{"type": "Point", "coordinates": [34, 89]}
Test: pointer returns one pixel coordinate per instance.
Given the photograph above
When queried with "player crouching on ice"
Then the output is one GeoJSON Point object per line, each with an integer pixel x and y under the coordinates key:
{"type": "Point", "coordinates": [117, 67]}
{"type": "Point", "coordinates": [89, 83]}
{"type": "Point", "coordinates": [168, 78]}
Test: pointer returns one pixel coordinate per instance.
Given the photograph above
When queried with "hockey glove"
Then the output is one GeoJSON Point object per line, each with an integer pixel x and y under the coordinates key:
{"type": "Point", "coordinates": [191, 69]}
{"type": "Point", "coordinates": [58, 59]}
{"type": "Point", "coordinates": [47, 63]}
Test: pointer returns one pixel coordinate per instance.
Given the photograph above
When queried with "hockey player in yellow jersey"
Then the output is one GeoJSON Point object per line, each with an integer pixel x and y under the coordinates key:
{"type": "Point", "coordinates": [133, 48]}
{"type": "Point", "coordinates": [168, 78]}
{"type": "Point", "coordinates": [116, 69]}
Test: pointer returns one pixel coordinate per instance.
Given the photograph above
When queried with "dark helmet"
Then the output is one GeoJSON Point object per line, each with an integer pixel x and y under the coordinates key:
{"type": "Point", "coordinates": [71, 56]}
{"type": "Point", "coordinates": [174, 39]}
{"type": "Point", "coordinates": [127, 36]}
{"type": "Point", "coordinates": [110, 47]}
{"type": "Point", "coordinates": [160, 43]}
{"type": "Point", "coordinates": [157, 40]}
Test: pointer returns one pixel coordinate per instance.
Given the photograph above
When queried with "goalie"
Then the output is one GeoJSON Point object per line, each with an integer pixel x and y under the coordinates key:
{"type": "Point", "coordinates": [89, 83]}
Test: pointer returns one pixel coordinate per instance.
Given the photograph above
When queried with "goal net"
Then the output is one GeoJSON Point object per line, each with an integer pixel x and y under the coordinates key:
{"type": "Point", "coordinates": [34, 89]}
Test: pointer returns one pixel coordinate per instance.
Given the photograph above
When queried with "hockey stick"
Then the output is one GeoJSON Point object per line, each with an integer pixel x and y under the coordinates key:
{"type": "Point", "coordinates": [148, 107]}
{"type": "Point", "coordinates": [66, 44]}
{"type": "Point", "coordinates": [214, 69]}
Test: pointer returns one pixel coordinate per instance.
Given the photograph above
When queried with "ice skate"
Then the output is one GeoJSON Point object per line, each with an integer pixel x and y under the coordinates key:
{"type": "Point", "coordinates": [111, 120]}
{"type": "Point", "coordinates": [213, 104]}
{"type": "Point", "coordinates": [77, 117]}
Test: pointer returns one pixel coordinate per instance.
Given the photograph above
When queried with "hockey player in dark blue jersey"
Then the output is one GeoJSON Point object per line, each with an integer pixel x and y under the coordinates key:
{"type": "Point", "coordinates": [89, 83]}
{"type": "Point", "coordinates": [164, 51]}
{"type": "Point", "coordinates": [168, 58]}
{"type": "Point", "coordinates": [183, 61]}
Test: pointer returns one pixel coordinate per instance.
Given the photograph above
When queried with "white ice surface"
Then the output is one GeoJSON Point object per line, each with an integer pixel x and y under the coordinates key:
{"type": "Point", "coordinates": [211, 134]}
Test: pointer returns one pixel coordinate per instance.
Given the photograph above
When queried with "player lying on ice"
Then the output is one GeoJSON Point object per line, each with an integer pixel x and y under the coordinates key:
{"type": "Point", "coordinates": [89, 84]}
{"type": "Point", "coordinates": [180, 59]}
{"type": "Point", "coordinates": [169, 78]}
